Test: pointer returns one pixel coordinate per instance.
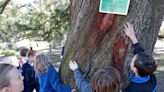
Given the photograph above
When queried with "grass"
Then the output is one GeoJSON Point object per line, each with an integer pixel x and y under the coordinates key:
{"type": "Point", "coordinates": [7, 52]}
{"type": "Point", "coordinates": [160, 74]}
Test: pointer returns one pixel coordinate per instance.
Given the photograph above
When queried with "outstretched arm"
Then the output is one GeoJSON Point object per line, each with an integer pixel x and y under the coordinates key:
{"type": "Point", "coordinates": [81, 83]}
{"type": "Point", "coordinates": [129, 31]}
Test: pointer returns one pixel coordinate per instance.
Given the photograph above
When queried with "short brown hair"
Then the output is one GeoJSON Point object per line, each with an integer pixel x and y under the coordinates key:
{"type": "Point", "coordinates": [23, 52]}
{"type": "Point", "coordinates": [145, 64]}
{"type": "Point", "coordinates": [4, 79]}
{"type": "Point", "coordinates": [106, 80]}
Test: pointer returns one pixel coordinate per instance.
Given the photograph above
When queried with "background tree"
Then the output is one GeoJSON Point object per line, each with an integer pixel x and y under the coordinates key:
{"type": "Point", "coordinates": [96, 39]}
{"type": "Point", "coordinates": [47, 20]}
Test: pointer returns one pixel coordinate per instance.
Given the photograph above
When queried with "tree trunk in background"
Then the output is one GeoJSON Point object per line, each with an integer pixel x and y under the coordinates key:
{"type": "Point", "coordinates": [96, 40]}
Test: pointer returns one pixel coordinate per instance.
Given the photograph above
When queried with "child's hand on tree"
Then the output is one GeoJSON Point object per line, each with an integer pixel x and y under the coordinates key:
{"type": "Point", "coordinates": [73, 65]}
{"type": "Point", "coordinates": [129, 31]}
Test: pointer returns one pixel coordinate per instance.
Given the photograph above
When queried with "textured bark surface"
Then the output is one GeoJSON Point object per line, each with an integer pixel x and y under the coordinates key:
{"type": "Point", "coordinates": [96, 39]}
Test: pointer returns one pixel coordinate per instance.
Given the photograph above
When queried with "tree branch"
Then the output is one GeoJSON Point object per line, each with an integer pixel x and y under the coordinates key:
{"type": "Point", "coordinates": [2, 6]}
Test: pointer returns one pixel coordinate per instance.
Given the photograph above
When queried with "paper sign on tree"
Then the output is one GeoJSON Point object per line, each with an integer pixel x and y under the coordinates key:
{"type": "Point", "coordinates": [114, 6]}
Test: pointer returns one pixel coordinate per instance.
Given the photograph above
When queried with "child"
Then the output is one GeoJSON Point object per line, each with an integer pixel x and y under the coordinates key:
{"type": "Point", "coordinates": [142, 65]}
{"type": "Point", "coordinates": [10, 79]}
{"type": "Point", "coordinates": [22, 59]}
{"type": "Point", "coordinates": [48, 78]}
{"type": "Point", "coordinates": [30, 80]}
{"type": "Point", "coordinates": [104, 80]}
{"type": "Point", "coordinates": [63, 45]}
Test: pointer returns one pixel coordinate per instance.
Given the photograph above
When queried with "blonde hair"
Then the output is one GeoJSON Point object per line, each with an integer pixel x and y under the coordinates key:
{"type": "Point", "coordinates": [4, 71]}
{"type": "Point", "coordinates": [42, 63]}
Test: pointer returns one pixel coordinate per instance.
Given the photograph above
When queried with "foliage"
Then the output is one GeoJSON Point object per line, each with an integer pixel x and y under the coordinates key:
{"type": "Point", "coordinates": [1, 47]}
{"type": "Point", "coordinates": [40, 20]}
{"type": "Point", "coordinates": [8, 52]}
{"type": "Point", "coordinates": [3, 4]}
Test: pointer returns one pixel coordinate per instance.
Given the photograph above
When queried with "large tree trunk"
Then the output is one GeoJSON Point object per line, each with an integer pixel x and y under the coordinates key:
{"type": "Point", "coordinates": [97, 40]}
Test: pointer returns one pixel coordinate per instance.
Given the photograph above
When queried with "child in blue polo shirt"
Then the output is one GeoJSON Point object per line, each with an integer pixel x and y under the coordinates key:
{"type": "Point", "coordinates": [142, 65]}
{"type": "Point", "coordinates": [49, 79]}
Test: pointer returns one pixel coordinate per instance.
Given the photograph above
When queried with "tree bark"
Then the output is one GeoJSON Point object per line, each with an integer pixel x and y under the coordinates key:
{"type": "Point", "coordinates": [96, 39]}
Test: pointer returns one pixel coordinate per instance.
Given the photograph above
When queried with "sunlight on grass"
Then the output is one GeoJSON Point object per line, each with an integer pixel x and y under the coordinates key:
{"type": "Point", "coordinates": [161, 68]}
